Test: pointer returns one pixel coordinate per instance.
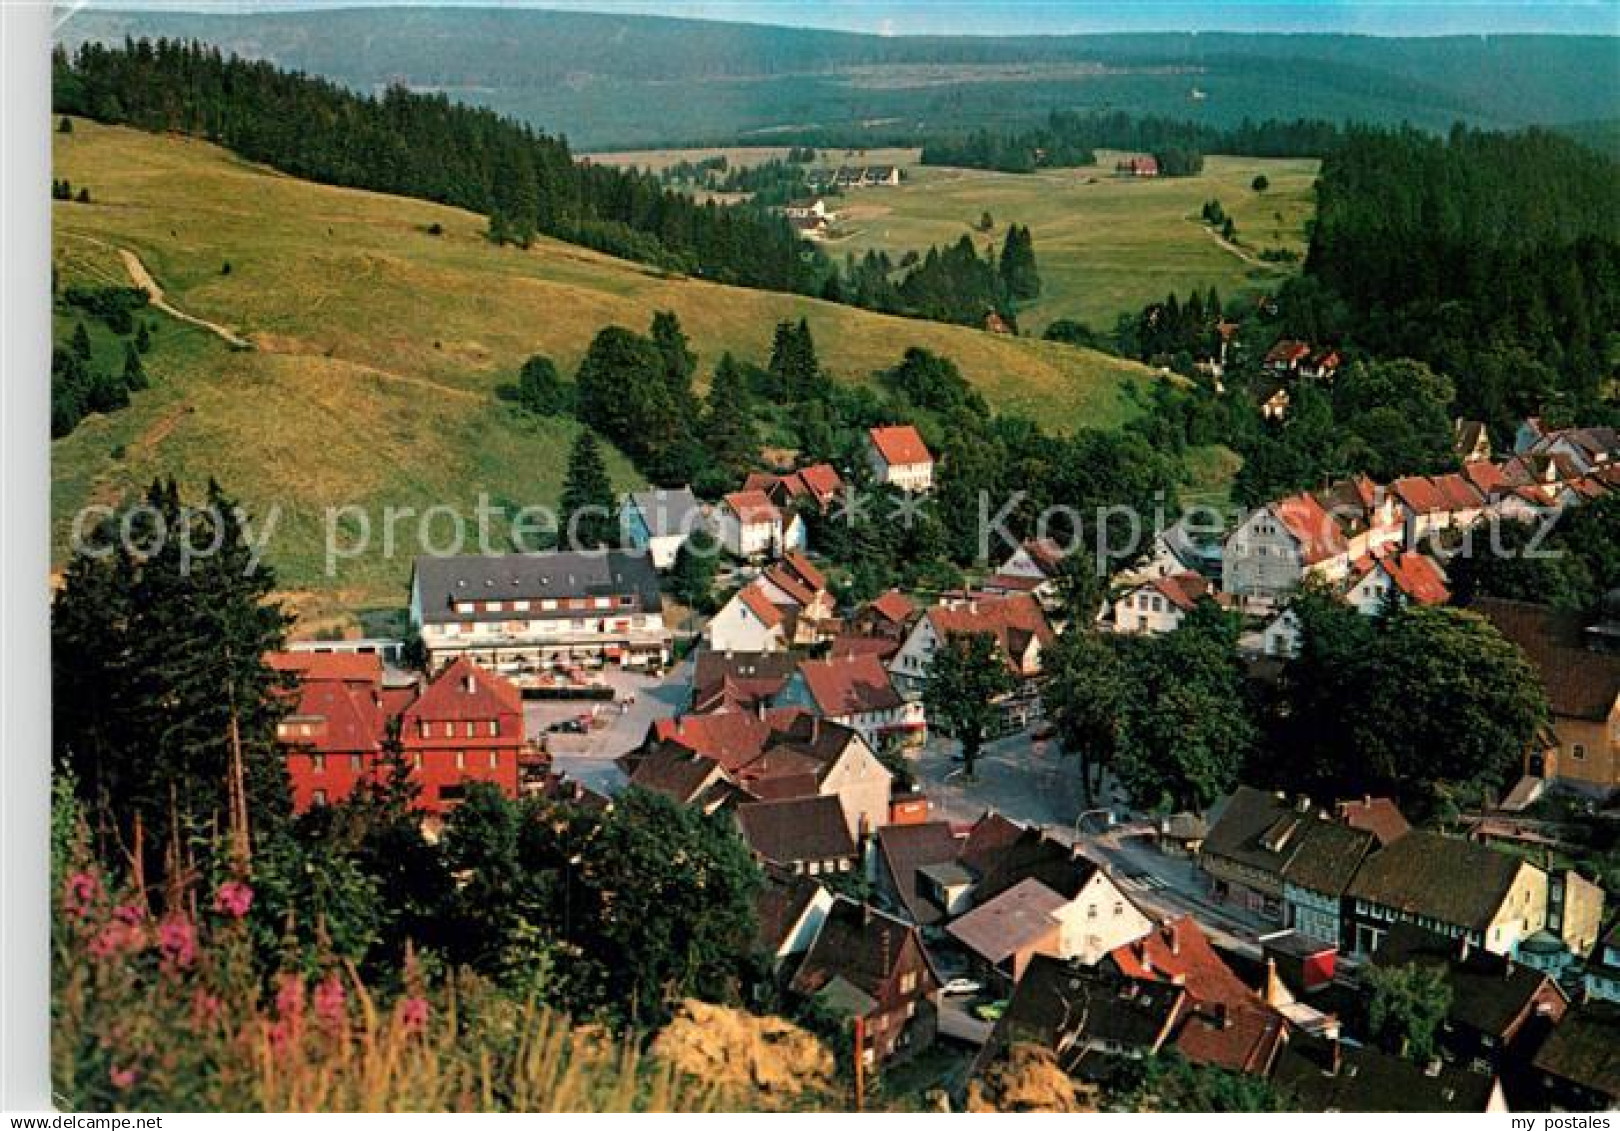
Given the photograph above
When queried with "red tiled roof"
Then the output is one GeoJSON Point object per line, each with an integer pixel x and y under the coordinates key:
{"type": "Point", "coordinates": [850, 685]}
{"type": "Point", "coordinates": [345, 719]}
{"type": "Point", "coordinates": [900, 444]}
{"type": "Point", "coordinates": [1180, 948]}
{"type": "Point", "coordinates": [805, 569]}
{"type": "Point", "coordinates": [1183, 590]}
{"type": "Point", "coordinates": [846, 645]}
{"type": "Point", "coordinates": [823, 481]}
{"type": "Point", "coordinates": [1377, 815]}
{"type": "Point", "coordinates": [1486, 476]}
{"type": "Point", "coordinates": [1287, 352]}
{"type": "Point", "coordinates": [1009, 619]}
{"type": "Point", "coordinates": [1417, 576]}
{"type": "Point", "coordinates": [788, 582]}
{"type": "Point", "coordinates": [1243, 1038]}
{"type": "Point", "coordinates": [893, 606]}
{"type": "Point", "coordinates": [731, 738]}
{"type": "Point", "coordinates": [753, 507]}
{"type": "Point", "coordinates": [760, 605]}
{"type": "Point", "coordinates": [464, 691]}
{"type": "Point", "coordinates": [1318, 535]}
{"type": "Point", "coordinates": [1046, 553]}
{"type": "Point", "coordinates": [349, 667]}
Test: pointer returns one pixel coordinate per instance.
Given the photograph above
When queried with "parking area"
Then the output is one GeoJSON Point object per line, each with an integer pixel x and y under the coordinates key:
{"type": "Point", "coordinates": [617, 725]}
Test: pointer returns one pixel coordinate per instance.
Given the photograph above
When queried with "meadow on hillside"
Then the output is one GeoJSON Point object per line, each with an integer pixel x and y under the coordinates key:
{"type": "Point", "coordinates": [381, 343]}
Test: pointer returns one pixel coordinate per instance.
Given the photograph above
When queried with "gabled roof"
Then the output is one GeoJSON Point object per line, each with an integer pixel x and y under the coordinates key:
{"type": "Point", "coordinates": [805, 570]}
{"type": "Point", "coordinates": [783, 901]}
{"type": "Point", "coordinates": [1023, 916]}
{"type": "Point", "coordinates": [1183, 590]}
{"type": "Point", "coordinates": [1416, 576]}
{"type": "Point", "coordinates": [1580, 683]}
{"type": "Point", "coordinates": [752, 507]}
{"type": "Point", "coordinates": [1064, 1006]}
{"type": "Point", "coordinates": [668, 511]}
{"type": "Point", "coordinates": [1357, 1078]}
{"type": "Point", "coordinates": [1327, 857]}
{"type": "Point", "coordinates": [1319, 536]}
{"type": "Point", "coordinates": [821, 480]}
{"type": "Point", "coordinates": [906, 850]}
{"type": "Point", "coordinates": [741, 678]}
{"type": "Point", "coordinates": [851, 685]}
{"type": "Point", "coordinates": [754, 599]}
{"type": "Point", "coordinates": [1454, 881]}
{"type": "Point", "coordinates": [989, 836]}
{"type": "Point", "coordinates": [677, 773]}
{"type": "Point", "coordinates": [1013, 620]}
{"type": "Point", "coordinates": [1179, 949]}
{"type": "Point", "coordinates": [1256, 828]}
{"type": "Point", "coordinates": [345, 718]}
{"type": "Point", "coordinates": [1377, 815]}
{"type": "Point", "coordinates": [893, 606]}
{"type": "Point", "coordinates": [1585, 1049]}
{"type": "Point", "coordinates": [1243, 1038]}
{"type": "Point", "coordinates": [1032, 855]}
{"type": "Point", "coordinates": [345, 667]}
{"type": "Point", "coordinates": [800, 829]}
{"type": "Point", "coordinates": [900, 444]}
{"type": "Point", "coordinates": [1490, 993]}
{"type": "Point", "coordinates": [861, 946]}
{"type": "Point", "coordinates": [464, 692]}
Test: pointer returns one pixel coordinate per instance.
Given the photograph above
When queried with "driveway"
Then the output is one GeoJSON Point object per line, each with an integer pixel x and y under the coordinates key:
{"type": "Point", "coordinates": [621, 724]}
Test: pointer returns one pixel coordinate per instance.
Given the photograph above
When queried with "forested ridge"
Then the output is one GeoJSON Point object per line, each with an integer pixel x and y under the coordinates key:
{"type": "Point", "coordinates": [428, 147]}
{"type": "Point", "coordinates": [1456, 250]}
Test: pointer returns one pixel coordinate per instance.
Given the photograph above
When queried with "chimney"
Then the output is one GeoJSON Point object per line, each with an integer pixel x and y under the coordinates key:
{"type": "Point", "coordinates": [1337, 1052]}
{"type": "Point", "coordinates": [1275, 995]}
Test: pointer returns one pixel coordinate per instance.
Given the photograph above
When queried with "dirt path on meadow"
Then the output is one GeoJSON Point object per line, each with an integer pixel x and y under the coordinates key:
{"type": "Point", "coordinates": [143, 279]}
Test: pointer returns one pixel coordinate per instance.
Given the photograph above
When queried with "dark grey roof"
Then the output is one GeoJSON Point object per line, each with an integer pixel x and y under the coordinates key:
{"type": "Point", "coordinates": [1455, 881]}
{"type": "Point", "coordinates": [1367, 1080]}
{"type": "Point", "coordinates": [796, 830]}
{"type": "Point", "coordinates": [557, 575]}
{"type": "Point", "coordinates": [668, 511]}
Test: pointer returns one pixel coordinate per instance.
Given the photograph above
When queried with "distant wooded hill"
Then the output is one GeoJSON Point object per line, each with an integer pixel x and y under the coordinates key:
{"type": "Point", "coordinates": [598, 78]}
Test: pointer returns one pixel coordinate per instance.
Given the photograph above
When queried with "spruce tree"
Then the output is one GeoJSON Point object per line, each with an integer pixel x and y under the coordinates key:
{"type": "Point", "coordinates": [540, 388]}
{"type": "Point", "coordinates": [81, 342]}
{"type": "Point", "coordinates": [728, 422]}
{"type": "Point", "coordinates": [143, 338]}
{"type": "Point", "coordinates": [589, 508]}
{"type": "Point", "coordinates": [134, 372]}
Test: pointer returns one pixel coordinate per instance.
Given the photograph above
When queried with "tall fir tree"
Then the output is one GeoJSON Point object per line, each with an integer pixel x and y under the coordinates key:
{"type": "Point", "coordinates": [728, 421]}
{"type": "Point", "coordinates": [589, 508]}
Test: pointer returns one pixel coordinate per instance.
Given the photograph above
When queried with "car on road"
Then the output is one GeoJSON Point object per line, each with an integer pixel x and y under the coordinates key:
{"type": "Point", "coordinates": [569, 726]}
{"type": "Point", "coordinates": [990, 1010]}
{"type": "Point", "coordinates": [961, 987]}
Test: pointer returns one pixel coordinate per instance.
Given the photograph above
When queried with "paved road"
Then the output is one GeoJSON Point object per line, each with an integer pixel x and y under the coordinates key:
{"type": "Point", "coordinates": [588, 758]}
{"type": "Point", "coordinates": [1034, 783]}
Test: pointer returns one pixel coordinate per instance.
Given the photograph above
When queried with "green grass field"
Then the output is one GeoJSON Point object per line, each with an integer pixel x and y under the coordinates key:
{"type": "Point", "coordinates": [380, 348]}
{"type": "Point", "coordinates": [1106, 245]}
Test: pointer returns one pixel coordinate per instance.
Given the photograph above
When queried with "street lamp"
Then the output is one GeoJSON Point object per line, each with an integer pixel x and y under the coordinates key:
{"type": "Point", "coordinates": [1084, 813]}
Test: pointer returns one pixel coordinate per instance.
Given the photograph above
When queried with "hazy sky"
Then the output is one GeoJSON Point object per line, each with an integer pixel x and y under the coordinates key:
{"type": "Point", "coordinates": [987, 17]}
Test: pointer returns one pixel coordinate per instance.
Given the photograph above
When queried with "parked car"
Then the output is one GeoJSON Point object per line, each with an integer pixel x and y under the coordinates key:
{"type": "Point", "coordinates": [961, 987]}
{"type": "Point", "coordinates": [568, 726]}
{"type": "Point", "coordinates": [990, 1010]}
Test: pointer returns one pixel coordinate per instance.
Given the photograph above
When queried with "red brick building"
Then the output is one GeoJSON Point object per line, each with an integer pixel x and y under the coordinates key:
{"type": "Point", "coordinates": [466, 726]}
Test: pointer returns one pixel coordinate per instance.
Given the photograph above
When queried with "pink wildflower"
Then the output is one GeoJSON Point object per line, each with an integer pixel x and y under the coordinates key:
{"type": "Point", "coordinates": [83, 889]}
{"type": "Point", "coordinates": [331, 1002]}
{"type": "Point", "coordinates": [413, 1014]}
{"type": "Point", "coordinates": [179, 942]}
{"type": "Point", "coordinates": [115, 938]}
{"type": "Point", "coordinates": [121, 1078]}
{"type": "Point", "coordinates": [233, 898]}
{"type": "Point", "coordinates": [290, 996]}
{"type": "Point", "coordinates": [130, 914]}
{"type": "Point", "coordinates": [280, 1034]}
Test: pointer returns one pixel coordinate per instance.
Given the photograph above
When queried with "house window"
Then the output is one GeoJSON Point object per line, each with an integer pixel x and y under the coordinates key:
{"type": "Point", "coordinates": [355, 763]}
{"type": "Point", "coordinates": [416, 759]}
{"type": "Point", "coordinates": [461, 759]}
{"type": "Point", "coordinates": [815, 867]}
{"type": "Point", "coordinates": [908, 982]}
{"type": "Point", "coordinates": [494, 759]}
{"type": "Point", "coordinates": [494, 728]}
{"type": "Point", "coordinates": [318, 797]}
{"type": "Point", "coordinates": [449, 730]}
{"type": "Point", "coordinates": [1091, 911]}
{"type": "Point", "coordinates": [1578, 751]}
{"type": "Point", "coordinates": [317, 763]}
{"type": "Point", "coordinates": [1119, 908]}
{"type": "Point", "coordinates": [469, 728]}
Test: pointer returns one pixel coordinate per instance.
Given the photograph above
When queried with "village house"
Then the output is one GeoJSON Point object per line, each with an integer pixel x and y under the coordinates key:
{"type": "Point", "coordinates": [466, 726]}
{"type": "Point", "coordinates": [535, 611]}
{"type": "Point", "coordinates": [818, 485]}
{"type": "Point", "coordinates": [1317, 876]}
{"type": "Point", "coordinates": [1437, 503]}
{"type": "Point", "coordinates": [1586, 449]}
{"type": "Point", "coordinates": [749, 622]}
{"type": "Point", "coordinates": [660, 521]}
{"type": "Point", "coordinates": [1577, 1065]}
{"type": "Point", "coordinates": [1453, 888]}
{"type": "Point", "coordinates": [803, 835]}
{"type": "Point", "coordinates": [1041, 898]}
{"type": "Point", "coordinates": [686, 778]}
{"type": "Point", "coordinates": [745, 680]}
{"type": "Point", "coordinates": [333, 735]}
{"type": "Point", "coordinates": [788, 605]}
{"type": "Point", "coordinates": [802, 209]}
{"type": "Point", "coordinates": [1137, 166]}
{"type": "Point", "coordinates": [1601, 979]}
{"type": "Point", "coordinates": [1500, 1010]}
{"type": "Point", "coordinates": [1472, 441]}
{"type": "Point", "coordinates": [1033, 568]}
{"type": "Point", "coordinates": [1160, 605]}
{"type": "Point", "coordinates": [752, 527]}
{"type": "Point", "coordinates": [1333, 1076]}
{"type": "Point", "coordinates": [1281, 544]}
{"type": "Point", "coordinates": [773, 755]}
{"type": "Point", "coordinates": [871, 967]}
{"type": "Point", "coordinates": [856, 691]}
{"type": "Point", "coordinates": [886, 617]}
{"type": "Point", "coordinates": [917, 872]}
{"type": "Point", "coordinates": [1021, 632]}
{"type": "Point", "coordinates": [1404, 577]}
{"type": "Point", "coordinates": [1289, 358]}
{"type": "Point", "coordinates": [1582, 752]}
{"type": "Point", "coordinates": [790, 909]}
{"type": "Point", "coordinates": [898, 458]}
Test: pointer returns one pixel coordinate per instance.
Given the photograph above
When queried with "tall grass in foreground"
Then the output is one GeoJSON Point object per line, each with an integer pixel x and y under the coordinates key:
{"type": "Point", "coordinates": [169, 1014]}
